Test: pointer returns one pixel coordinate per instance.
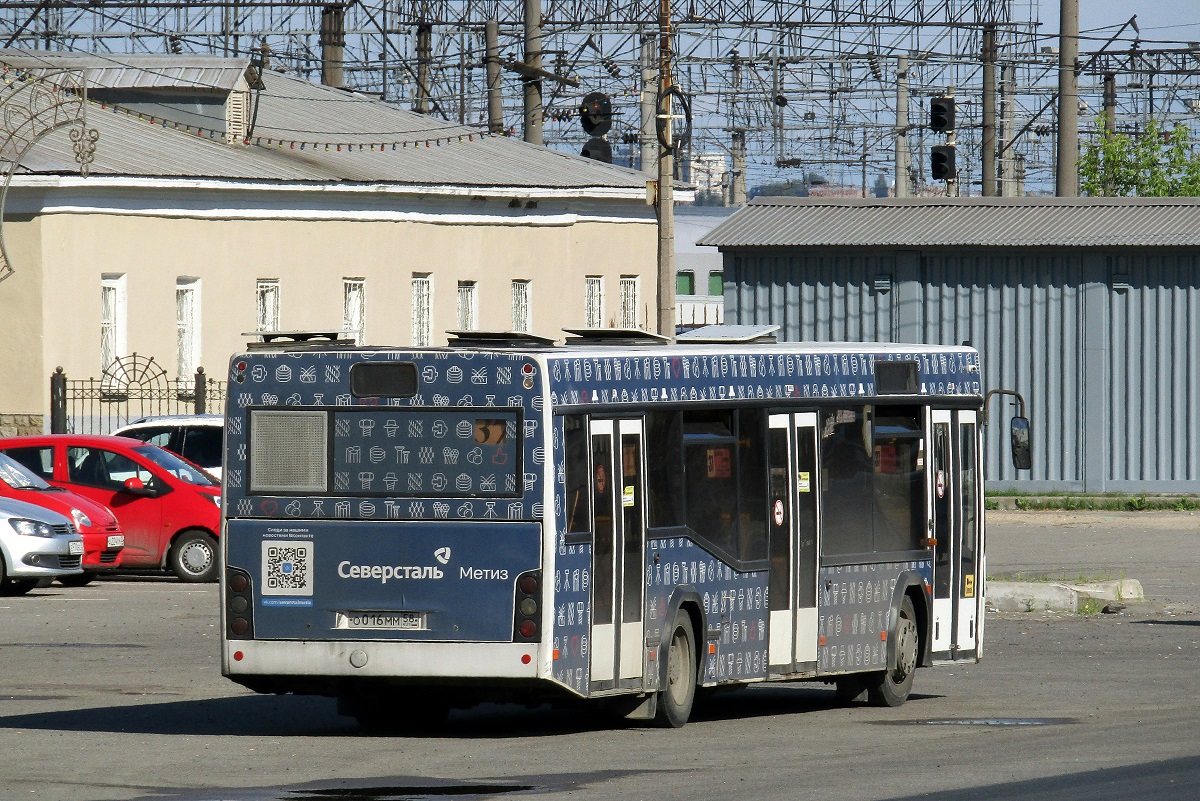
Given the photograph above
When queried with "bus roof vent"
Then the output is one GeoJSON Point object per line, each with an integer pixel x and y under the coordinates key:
{"type": "Point", "coordinates": [618, 337]}
{"type": "Point", "coordinates": [729, 334]}
{"type": "Point", "coordinates": [497, 339]}
{"type": "Point", "coordinates": [282, 340]}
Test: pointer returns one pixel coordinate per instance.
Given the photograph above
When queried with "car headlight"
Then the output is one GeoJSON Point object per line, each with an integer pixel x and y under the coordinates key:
{"type": "Point", "coordinates": [31, 528]}
{"type": "Point", "coordinates": [81, 520]}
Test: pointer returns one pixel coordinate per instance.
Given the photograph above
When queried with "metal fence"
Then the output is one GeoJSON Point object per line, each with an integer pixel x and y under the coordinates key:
{"type": "Point", "coordinates": [132, 387]}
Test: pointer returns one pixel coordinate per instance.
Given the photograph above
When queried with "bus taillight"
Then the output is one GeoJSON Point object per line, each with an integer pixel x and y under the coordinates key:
{"type": "Point", "coordinates": [239, 606]}
{"type": "Point", "coordinates": [528, 607]}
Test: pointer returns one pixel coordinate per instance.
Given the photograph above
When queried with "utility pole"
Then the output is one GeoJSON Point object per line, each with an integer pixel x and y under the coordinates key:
{"type": "Point", "coordinates": [491, 37]}
{"type": "Point", "coordinates": [1066, 183]}
{"type": "Point", "coordinates": [737, 149]}
{"type": "Point", "coordinates": [1110, 117]}
{"type": "Point", "coordinates": [533, 60]}
{"type": "Point", "coordinates": [1008, 127]}
{"type": "Point", "coordinates": [424, 63]}
{"type": "Point", "coordinates": [902, 155]}
{"type": "Point", "coordinates": [333, 44]}
{"type": "Point", "coordinates": [989, 111]}
{"type": "Point", "coordinates": [666, 175]}
{"type": "Point", "coordinates": [647, 136]}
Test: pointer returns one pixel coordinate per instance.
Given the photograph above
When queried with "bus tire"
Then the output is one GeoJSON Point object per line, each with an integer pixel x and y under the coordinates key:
{"type": "Point", "coordinates": [892, 686]}
{"type": "Point", "coordinates": [193, 556]}
{"type": "Point", "coordinates": [679, 686]}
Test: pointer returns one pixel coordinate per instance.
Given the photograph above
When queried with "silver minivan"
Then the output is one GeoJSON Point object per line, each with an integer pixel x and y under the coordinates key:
{"type": "Point", "coordinates": [35, 544]}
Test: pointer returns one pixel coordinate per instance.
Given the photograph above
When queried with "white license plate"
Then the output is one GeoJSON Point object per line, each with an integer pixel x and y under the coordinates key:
{"type": "Point", "coordinates": [380, 621]}
{"type": "Point", "coordinates": [75, 548]}
{"type": "Point", "coordinates": [116, 541]}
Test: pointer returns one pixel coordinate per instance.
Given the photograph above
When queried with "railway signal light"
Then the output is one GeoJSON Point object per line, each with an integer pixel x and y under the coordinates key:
{"type": "Point", "coordinates": [941, 162]}
{"type": "Point", "coordinates": [941, 114]}
{"type": "Point", "coordinates": [595, 115]}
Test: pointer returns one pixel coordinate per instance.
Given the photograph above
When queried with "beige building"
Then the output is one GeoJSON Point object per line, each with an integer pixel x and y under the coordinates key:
{"type": "Point", "coordinates": [222, 202]}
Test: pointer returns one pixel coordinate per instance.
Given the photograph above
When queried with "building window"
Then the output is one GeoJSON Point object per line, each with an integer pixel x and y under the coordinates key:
{"type": "Point", "coordinates": [629, 301]}
{"type": "Point", "coordinates": [422, 309]}
{"type": "Point", "coordinates": [685, 283]}
{"type": "Point", "coordinates": [520, 306]}
{"type": "Point", "coordinates": [468, 306]}
{"type": "Point", "coordinates": [716, 283]}
{"type": "Point", "coordinates": [354, 308]}
{"type": "Point", "coordinates": [113, 318]}
{"type": "Point", "coordinates": [268, 304]}
{"type": "Point", "coordinates": [187, 325]}
{"type": "Point", "coordinates": [593, 301]}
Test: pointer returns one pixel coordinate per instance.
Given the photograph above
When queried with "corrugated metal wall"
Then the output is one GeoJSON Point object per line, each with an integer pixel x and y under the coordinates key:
{"type": "Point", "coordinates": [1104, 347]}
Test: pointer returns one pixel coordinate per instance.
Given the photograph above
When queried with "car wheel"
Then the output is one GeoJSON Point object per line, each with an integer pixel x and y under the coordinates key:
{"type": "Point", "coordinates": [193, 557]}
{"type": "Point", "coordinates": [77, 580]}
{"type": "Point", "coordinates": [891, 687]}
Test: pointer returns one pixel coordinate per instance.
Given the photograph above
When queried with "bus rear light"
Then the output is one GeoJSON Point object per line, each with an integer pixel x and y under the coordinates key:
{"type": "Point", "coordinates": [239, 604]}
{"type": "Point", "coordinates": [238, 656]}
{"type": "Point", "coordinates": [526, 659]}
{"type": "Point", "coordinates": [527, 607]}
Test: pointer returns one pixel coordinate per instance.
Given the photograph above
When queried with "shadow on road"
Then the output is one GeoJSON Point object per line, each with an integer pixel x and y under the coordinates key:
{"type": "Point", "coordinates": [309, 716]}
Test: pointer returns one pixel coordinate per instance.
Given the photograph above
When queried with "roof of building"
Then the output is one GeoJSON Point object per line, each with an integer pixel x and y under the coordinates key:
{"type": "Point", "coordinates": [301, 132]}
{"type": "Point", "coordinates": [961, 222]}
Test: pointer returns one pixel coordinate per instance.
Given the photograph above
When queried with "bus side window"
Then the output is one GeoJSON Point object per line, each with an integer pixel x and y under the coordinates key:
{"type": "Point", "coordinates": [578, 475]}
{"type": "Point", "coordinates": [752, 485]}
{"type": "Point", "coordinates": [664, 468]}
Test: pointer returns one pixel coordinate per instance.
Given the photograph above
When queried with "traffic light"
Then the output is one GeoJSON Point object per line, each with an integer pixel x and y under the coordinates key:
{"type": "Point", "coordinates": [941, 162]}
{"type": "Point", "coordinates": [941, 114]}
{"type": "Point", "coordinates": [595, 115]}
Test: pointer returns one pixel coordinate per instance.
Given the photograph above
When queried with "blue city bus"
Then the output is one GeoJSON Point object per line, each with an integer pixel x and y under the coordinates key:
{"type": "Point", "coordinates": [617, 518]}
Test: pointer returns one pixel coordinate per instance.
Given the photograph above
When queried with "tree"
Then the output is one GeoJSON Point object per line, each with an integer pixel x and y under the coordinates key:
{"type": "Point", "coordinates": [1154, 163]}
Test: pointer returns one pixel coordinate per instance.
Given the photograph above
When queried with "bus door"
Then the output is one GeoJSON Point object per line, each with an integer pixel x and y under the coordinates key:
{"type": "Point", "coordinates": [618, 554]}
{"type": "Point", "coordinates": [969, 587]}
{"type": "Point", "coordinates": [955, 494]}
{"type": "Point", "coordinates": [792, 644]}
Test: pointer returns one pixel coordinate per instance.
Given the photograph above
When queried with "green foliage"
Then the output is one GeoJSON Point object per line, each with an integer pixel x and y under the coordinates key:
{"type": "Point", "coordinates": [1154, 163]}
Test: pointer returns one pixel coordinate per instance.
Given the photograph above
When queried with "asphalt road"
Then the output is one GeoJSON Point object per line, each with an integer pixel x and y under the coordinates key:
{"type": "Point", "coordinates": [113, 691]}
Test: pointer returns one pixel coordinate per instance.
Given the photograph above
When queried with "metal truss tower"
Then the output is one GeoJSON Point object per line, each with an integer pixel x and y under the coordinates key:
{"type": "Point", "coordinates": [794, 87]}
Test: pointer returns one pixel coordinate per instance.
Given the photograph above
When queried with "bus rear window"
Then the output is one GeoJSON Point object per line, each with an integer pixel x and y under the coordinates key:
{"type": "Point", "coordinates": [452, 451]}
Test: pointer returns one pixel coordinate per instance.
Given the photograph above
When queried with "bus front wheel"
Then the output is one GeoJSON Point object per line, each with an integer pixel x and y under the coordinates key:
{"type": "Point", "coordinates": [892, 686]}
{"type": "Point", "coordinates": [676, 697]}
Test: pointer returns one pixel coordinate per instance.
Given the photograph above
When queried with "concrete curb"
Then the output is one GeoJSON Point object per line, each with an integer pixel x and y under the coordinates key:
{"type": "Point", "coordinates": [1057, 596]}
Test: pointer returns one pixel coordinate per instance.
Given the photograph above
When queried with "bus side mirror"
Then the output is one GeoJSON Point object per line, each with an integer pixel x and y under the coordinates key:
{"type": "Point", "coordinates": [1020, 444]}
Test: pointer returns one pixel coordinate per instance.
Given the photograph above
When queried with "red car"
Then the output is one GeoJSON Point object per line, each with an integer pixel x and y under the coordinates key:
{"type": "Point", "coordinates": [169, 508]}
{"type": "Point", "coordinates": [103, 538]}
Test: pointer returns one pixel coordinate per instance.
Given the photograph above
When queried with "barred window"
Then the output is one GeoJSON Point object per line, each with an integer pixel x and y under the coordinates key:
{"type": "Point", "coordinates": [629, 301]}
{"type": "Point", "coordinates": [468, 306]}
{"type": "Point", "coordinates": [422, 309]}
{"type": "Point", "coordinates": [268, 304]}
{"type": "Point", "coordinates": [520, 306]}
{"type": "Point", "coordinates": [113, 318]}
{"type": "Point", "coordinates": [594, 301]}
{"type": "Point", "coordinates": [187, 325]}
{"type": "Point", "coordinates": [354, 308]}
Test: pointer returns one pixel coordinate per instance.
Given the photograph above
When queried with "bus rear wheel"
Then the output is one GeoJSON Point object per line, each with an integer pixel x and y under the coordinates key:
{"type": "Point", "coordinates": [676, 697]}
{"type": "Point", "coordinates": [892, 686]}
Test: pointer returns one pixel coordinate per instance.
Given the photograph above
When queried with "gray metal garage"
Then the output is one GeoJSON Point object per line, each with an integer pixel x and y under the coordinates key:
{"type": "Point", "coordinates": [1090, 307]}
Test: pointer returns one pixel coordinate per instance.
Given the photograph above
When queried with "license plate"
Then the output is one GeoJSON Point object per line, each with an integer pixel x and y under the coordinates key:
{"type": "Point", "coordinates": [380, 621]}
{"type": "Point", "coordinates": [116, 541]}
{"type": "Point", "coordinates": [75, 548]}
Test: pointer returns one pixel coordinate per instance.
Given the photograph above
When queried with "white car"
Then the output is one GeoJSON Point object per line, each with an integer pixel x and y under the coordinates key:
{"type": "Point", "coordinates": [196, 437]}
{"type": "Point", "coordinates": [35, 544]}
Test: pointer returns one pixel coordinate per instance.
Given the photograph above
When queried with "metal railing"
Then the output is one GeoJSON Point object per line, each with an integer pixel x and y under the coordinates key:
{"type": "Point", "coordinates": [132, 387]}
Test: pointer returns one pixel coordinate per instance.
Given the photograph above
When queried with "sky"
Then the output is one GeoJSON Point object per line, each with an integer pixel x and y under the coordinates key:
{"type": "Point", "coordinates": [1174, 20]}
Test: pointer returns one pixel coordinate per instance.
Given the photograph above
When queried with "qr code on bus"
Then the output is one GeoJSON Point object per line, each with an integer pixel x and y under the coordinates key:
{"type": "Point", "coordinates": [287, 567]}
